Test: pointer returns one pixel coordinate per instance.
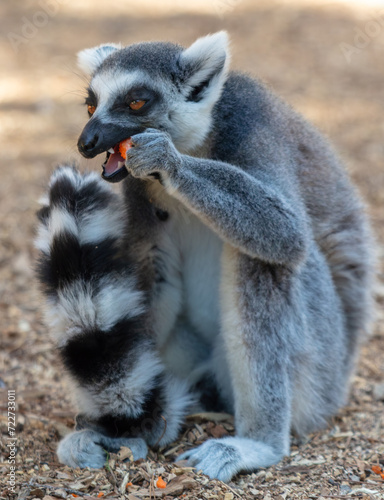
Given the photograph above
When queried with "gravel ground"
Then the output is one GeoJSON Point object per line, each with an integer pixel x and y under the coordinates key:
{"type": "Point", "coordinates": [295, 47]}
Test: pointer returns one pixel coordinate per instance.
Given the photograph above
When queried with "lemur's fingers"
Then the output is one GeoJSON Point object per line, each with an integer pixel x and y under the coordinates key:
{"type": "Point", "coordinates": [153, 152]}
{"type": "Point", "coordinates": [224, 458]}
{"type": "Point", "coordinates": [87, 448]}
{"type": "Point", "coordinates": [82, 449]}
{"type": "Point", "coordinates": [138, 446]}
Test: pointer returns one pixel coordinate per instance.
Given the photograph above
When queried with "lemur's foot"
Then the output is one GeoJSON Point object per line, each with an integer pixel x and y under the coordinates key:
{"type": "Point", "coordinates": [224, 458]}
{"type": "Point", "coordinates": [89, 448]}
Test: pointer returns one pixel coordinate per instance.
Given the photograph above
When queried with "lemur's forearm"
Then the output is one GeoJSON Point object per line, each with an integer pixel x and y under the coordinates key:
{"type": "Point", "coordinates": [243, 210]}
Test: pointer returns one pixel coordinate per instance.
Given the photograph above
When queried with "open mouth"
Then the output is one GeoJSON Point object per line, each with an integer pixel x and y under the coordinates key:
{"type": "Point", "coordinates": [114, 169]}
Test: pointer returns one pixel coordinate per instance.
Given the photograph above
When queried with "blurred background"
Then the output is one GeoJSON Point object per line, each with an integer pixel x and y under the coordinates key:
{"type": "Point", "coordinates": [325, 58]}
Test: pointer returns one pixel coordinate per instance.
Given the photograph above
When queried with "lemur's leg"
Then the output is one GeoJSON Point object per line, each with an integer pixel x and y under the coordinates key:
{"type": "Point", "coordinates": [277, 328]}
{"type": "Point", "coordinates": [259, 372]}
{"type": "Point", "coordinates": [97, 309]}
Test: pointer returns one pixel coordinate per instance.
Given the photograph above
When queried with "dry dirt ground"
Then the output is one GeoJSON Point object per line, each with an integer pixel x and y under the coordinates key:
{"type": "Point", "coordinates": [295, 47]}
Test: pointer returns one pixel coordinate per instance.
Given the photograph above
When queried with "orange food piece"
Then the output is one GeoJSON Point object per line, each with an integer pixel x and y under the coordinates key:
{"type": "Point", "coordinates": [376, 469]}
{"type": "Point", "coordinates": [129, 484]}
{"type": "Point", "coordinates": [124, 146]}
{"type": "Point", "coordinates": [101, 494]}
{"type": "Point", "coordinates": [160, 483]}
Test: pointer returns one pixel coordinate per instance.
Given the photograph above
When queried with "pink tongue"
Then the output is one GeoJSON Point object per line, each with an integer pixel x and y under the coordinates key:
{"type": "Point", "coordinates": [115, 162]}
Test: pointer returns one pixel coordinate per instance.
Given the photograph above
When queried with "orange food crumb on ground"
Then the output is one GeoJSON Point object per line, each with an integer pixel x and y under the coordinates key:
{"type": "Point", "coordinates": [101, 494]}
{"type": "Point", "coordinates": [160, 483]}
{"type": "Point", "coordinates": [376, 469]}
{"type": "Point", "coordinates": [129, 484]}
{"type": "Point", "coordinates": [124, 146]}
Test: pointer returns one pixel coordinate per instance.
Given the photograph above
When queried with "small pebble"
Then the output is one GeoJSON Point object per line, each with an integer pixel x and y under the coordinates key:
{"type": "Point", "coordinates": [269, 476]}
{"type": "Point", "coordinates": [345, 489]}
{"type": "Point", "coordinates": [254, 492]}
{"type": "Point", "coordinates": [24, 326]}
{"type": "Point", "coordinates": [378, 391]}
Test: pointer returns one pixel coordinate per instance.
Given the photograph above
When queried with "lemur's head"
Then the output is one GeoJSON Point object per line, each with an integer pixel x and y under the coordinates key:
{"type": "Point", "coordinates": [154, 84]}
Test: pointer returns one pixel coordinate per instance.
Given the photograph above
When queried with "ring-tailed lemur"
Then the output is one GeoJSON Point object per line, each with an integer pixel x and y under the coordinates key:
{"type": "Point", "coordinates": [234, 269]}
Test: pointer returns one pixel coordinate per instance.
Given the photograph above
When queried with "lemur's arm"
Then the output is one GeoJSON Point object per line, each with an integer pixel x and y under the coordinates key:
{"type": "Point", "coordinates": [100, 322]}
{"type": "Point", "coordinates": [250, 213]}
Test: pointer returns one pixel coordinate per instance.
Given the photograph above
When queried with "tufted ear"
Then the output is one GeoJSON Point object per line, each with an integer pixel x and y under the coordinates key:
{"type": "Point", "coordinates": [205, 65]}
{"type": "Point", "coordinates": [90, 59]}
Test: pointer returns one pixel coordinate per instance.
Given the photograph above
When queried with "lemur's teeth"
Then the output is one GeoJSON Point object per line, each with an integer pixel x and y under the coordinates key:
{"type": "Point", "coordinates": [111, 150]}
{"type": "Point", "coordinates": [120, 164]}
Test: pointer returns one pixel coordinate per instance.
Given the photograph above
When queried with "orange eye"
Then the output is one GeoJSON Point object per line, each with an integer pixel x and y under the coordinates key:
{"type": "Point", "coordinates": [91, 109]}
{"type": "Point", "coordinates": [139, 103]}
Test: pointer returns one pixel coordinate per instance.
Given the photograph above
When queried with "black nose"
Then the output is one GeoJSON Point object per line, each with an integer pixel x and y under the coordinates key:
{"type": "Point", "coordinates": [88, 144]}
{"type": "Point", "coordinates": [91, 142]}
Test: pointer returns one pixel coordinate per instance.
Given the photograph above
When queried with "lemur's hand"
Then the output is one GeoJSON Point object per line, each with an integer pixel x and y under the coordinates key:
{"type": "Point", "coordinates": [153, 153]}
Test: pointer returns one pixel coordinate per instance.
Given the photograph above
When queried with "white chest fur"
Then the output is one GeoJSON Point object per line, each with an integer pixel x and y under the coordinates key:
{"type": "Point", "coordinates": [191, 255]}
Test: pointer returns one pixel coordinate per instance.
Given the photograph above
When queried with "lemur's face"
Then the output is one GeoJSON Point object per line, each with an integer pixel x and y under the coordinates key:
{"type": "Point", "coordinates": [120, 104]}
{"type": "Point", "coordinates": [150, 85]}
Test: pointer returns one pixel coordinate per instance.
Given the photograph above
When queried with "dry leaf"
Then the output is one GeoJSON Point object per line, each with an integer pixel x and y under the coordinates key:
{"type": "Point", "coordinates": [125, 453]}
{"type": "Point", "coordinates": [179, 484]}
{"type": "Point", "coordinates": [37, 492]}
{"type": "Point", "coordinates": [210, 417]}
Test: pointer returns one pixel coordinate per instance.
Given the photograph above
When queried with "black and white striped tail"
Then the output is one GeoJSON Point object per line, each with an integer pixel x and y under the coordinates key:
{"type": "Point", "coordinates": [99, 316]}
